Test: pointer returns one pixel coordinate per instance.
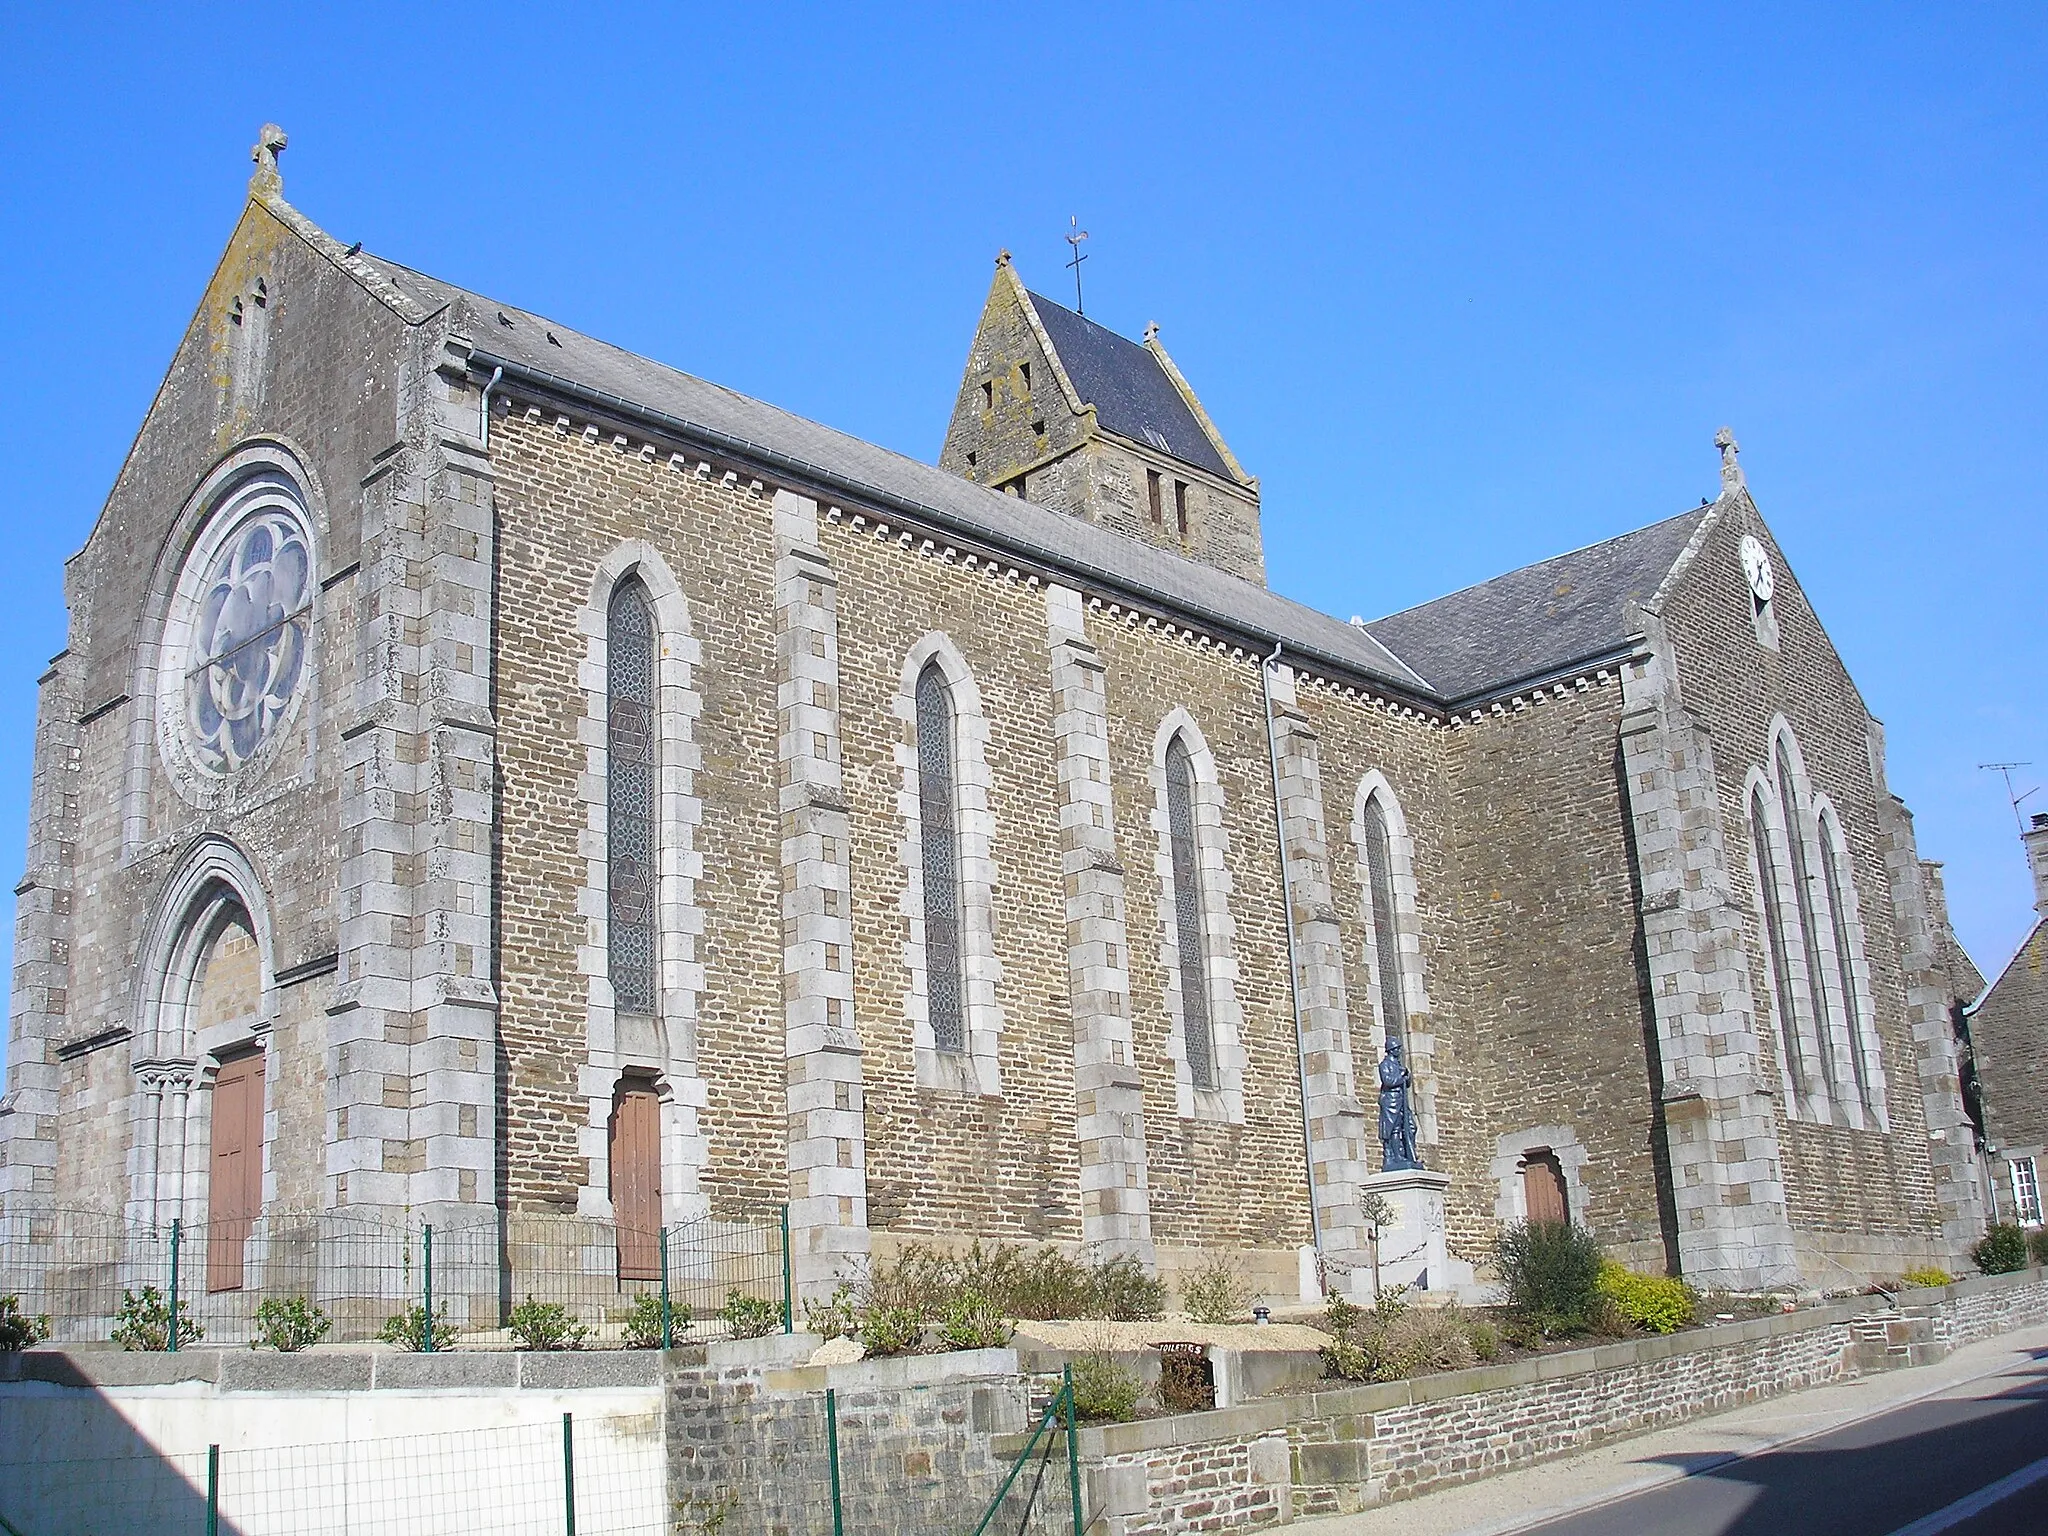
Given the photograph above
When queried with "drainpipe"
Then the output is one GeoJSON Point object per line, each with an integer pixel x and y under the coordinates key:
{"type": "Point", "coordinates": [1308, 1152]}
{"type": "Point", "coordinates": [484, 431]}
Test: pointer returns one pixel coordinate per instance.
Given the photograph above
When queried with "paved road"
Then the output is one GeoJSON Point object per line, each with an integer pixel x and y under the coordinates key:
{"type": "Point", "coordinates": [1910, 1471]}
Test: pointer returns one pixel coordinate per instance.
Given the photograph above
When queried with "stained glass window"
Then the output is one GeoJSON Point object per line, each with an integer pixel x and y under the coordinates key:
{"type": "Point", "coordinates": [1821, 986]}
{"type": "Point", "coordinates": [939, 840]}
{"type": "Point", "coordinates": [1386, 941]}
{"type": "Point", "coordinates": [1831, 863]}
{"type": "Point", "coordinates": [248, 647]}
{"type": "Point", "coordinates": [1777, 938]}
{"type": "Point", "coordinates": [1187, 915]}
{"type": "Point", "coordinates": [631, 759]}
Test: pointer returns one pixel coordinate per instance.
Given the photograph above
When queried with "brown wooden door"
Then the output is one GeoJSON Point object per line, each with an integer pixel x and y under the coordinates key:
{"type": "Point", "coordinates": [636, 1180]}
{"type": "Point", "coordinates": [1543, 1188]}
{"type": "Point", "coordinates": [234, 1196]}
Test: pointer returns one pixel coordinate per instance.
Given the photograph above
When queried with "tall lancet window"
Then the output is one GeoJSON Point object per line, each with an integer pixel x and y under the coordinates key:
{"type": "Point", "coordinates": [1386, 941]}
{"type": "Point", "coordinates": [630, 758]}
{"type": "Point", "coordinates": [939, 843]}
{"type": "Point", "coordinates": [1834, 865]}
{"type": "Point", "coordinates": [1819, 984]}
{"type": "Point", "coordinates": [1190, 940]}
{"type": "Point", "coordinates": [1777, 938]}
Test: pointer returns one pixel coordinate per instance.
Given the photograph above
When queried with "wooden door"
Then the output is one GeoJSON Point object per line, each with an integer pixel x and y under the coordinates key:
{"type": "Point", "coordinates": [234, 1196]}
{"type": "Point", "coordinates": [1543, 1188]}
{"type": "Point", "coordinates": [636, 1180]}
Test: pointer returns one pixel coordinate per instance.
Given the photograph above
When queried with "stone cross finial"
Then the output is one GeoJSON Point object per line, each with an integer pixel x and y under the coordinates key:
{"type": "Point", "coordinates": [1731, 468]}
{"type": "Point", "coordinates": [268, 180]}
{"type": "Point", "coordinates": [1151, 330]}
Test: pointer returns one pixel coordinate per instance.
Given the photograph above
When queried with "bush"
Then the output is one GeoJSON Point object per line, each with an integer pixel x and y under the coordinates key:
{"type": "Point", "coordinates": [1398, 1342]}
{"type": "Point", "coordinates": [972, 1321]}
{"type": "Point", "coordinates": [749, 1317]}
{"type": "Point", "coordinates": [1655, 1302]}
{"type": "Point", "coordinates": [288, 1324]}
{"type": "Point", "coordinates": [1928, 1277]}
{"type": "Point", "coordinates": [833, 1319]}
{"type": "Point", "coordinates": [2038, 1245]}
{"type": "Point", "coordinates": [1123, 1293]}
{"type": "Point", "coordinates": [17, 1329]}
{"type": "Point", "coordinates": [1048, 1284]}
{"type": "Point", "coordinates": [408, 1329]}
{"type": "Point", "coordinates": [891, 1330]}
{"type": "Point", "coordinates": [1550, 1270]}
{"type": "Point", "coordinates": [2001, 1250]}
{"type": "Point", "coordinates": [1216, 1293]}
{"type": "Point", "coordinates": [1187, 1383]}
{"type": "Point", "coordinates": [144, 1322]}
{"type": "Point", "coordinates": [548, 1325]}
{"type": "Point", "coordinates": [1103, 1390]}
{"type": "Point", "coordinates": [1485, 1339]}
{"type": "Point", "coordinates": [643, 1323]}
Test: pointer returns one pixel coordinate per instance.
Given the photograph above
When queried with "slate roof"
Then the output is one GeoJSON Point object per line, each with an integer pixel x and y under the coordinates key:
{"type": "Point", "coordinates": [1130, 391]}
{"type": "Point", "coordinates": [1540, 619]}
{"type": "Point", "coordinates": [624, 379]}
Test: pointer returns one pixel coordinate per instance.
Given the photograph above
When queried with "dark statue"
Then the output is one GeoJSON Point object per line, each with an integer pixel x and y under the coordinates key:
{"type": "Point", "coordinates": [1397, 1120]}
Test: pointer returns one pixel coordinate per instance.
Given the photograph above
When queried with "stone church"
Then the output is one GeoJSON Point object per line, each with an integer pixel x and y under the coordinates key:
{"type": "Point", "coordinates": [492, 772]}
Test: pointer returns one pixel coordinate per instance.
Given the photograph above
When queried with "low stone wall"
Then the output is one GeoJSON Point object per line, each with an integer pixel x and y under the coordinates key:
{"type": "Point", "coordinates": [1269, 1461]}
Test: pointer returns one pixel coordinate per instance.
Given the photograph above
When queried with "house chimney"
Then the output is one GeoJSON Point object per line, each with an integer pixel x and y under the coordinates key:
{"type": "Point", "coordinates": [2036, 838]}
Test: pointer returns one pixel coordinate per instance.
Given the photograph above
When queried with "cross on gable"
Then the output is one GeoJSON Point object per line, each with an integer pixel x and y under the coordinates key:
{"type": "Point", "coordinates": [270, 144]}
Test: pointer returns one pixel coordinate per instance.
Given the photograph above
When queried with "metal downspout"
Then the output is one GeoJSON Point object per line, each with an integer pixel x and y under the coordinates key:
{"type": "Point", "coordinates": [484, 409]}
{"type": "Point", "coordinates": [1308, 1153]}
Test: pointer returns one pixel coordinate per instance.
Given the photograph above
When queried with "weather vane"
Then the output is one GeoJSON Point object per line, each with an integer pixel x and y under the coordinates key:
{"type": "Point", "coordinates": [1074, 239]}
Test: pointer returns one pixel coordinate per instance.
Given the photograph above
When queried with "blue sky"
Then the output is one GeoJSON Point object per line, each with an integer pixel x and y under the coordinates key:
{"type": "Point", "coordinates": [1465, 286]}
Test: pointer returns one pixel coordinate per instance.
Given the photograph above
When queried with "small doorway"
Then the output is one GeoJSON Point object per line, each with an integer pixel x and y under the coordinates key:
{"type": "Point", "coordinates": [636, 1178]}
{"type": "Point", "coordinates": [1543, 1191]}
{"type": "Point", "coordinates": [234, 1196]}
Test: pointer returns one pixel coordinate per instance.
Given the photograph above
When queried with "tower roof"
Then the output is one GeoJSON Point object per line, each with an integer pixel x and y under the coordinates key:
{"type": "Point", "coordinates": [1129, 388]}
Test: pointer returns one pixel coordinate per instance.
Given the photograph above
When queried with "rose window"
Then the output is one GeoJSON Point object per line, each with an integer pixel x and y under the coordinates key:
{"type": "Point", "coordinates": [247, 650]}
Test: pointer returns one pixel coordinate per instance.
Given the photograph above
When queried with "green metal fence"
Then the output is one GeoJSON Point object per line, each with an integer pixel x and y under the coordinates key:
{"type": "Point", "coordinates": [94, 1274]}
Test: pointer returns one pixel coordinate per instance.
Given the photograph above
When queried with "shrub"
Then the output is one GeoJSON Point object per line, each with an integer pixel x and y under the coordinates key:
{"type": "Point", "coordinates": [1655, 1302]}
{"type": "Point", "coordinates": [643, 1323]}
{"type": "Point", "coordinates": [1485, 1339]}
{"type": "Point", "coordinates": [1401, 1342]}
{"type": "Point", "coordinates": [1216, 1293]}
{"type": "Point", "coordinates": [1103, 1389]}
{"type": "Point", "coordinates": [408, 1329]}
{"type": "Point", "coordinates": [1048, 1284]}
{"type": "Point", "coordinates": [144, 1322]}
{"type": "Point", "coordinates": [1187, 1384]}
{"type": "Point", "coordinates": [2038, 1245]}
{"type": "Point", "coordinates": [749, 1317]}
{"type": "Point", "coordinates": [1550, 1270]}
{"type": "Point", "coordinates": [548, 1325]}
{"type": "Point", "coordinates": [919, 1281]}
{"type": "Point", "coordinates": [890, 1330]}
{"type": "Point", "coordinates": [289, 1324]}
{"type": "Point", "coordinates": [833, 1319]}
{"type": "Point", "coordinates": [1123, 1293]}
{"type": "Point", "coordinates": [972, 1321]}
{"type": "Point", "coordinates": [1341, 1316]}
{"type": "Point", "coordinates": [2001, 1250]}
{"type": "Point", "coordinates": [18, 1330]}
{"type": "Point", "coordinates": [1928, 1277]}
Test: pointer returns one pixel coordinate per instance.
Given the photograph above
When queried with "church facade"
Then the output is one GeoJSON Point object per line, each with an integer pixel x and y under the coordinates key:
{"type": "Point", "coordinates": [491, 771]}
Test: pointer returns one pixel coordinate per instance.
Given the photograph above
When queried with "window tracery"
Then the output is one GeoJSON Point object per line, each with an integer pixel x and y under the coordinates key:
{"type": "Point", "coordinates": [1192, 942]}
{"type": "Point", "coordinates": [631, 760]}
{"type": "Point", "coordinates": [939, 845]}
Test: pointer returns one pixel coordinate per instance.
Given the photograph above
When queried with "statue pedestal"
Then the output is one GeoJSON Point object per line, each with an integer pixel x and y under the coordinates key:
{"type": "Point", "coordinates": [1412, 1249]}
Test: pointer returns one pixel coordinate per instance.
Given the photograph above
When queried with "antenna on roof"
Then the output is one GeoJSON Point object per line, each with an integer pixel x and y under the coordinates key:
{"type": "Point", "coordinates": [1074, 238]}
{"type": "Point", "coordinates": [2006, 770]}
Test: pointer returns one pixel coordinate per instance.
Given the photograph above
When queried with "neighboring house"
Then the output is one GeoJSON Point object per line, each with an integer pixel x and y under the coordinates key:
{"type": "Point", "coordinates": [2009, 1027]}
{"type": "Point", "coordinates": [492, 773]}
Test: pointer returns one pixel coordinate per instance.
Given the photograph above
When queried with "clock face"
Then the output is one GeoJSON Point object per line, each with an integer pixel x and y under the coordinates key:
{"type": "Point", "coordinates": [1756, 568]}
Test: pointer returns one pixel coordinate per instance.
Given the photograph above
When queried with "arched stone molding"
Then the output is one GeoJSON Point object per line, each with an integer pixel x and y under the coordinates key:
{"type": "Point", "coordinates": [1838, 1060]}
{"type": "Point", "coordinates": [1224, 1102]}
{"type": "Point", "coordinates": [1420, 1042]}
{"type": "Point", "coordinates": [269, 468]}
{"type": "Point", "coordinates": [978, 1069]}
{"type": "Point", "coordinates": [1785, 959]}
{"type": "Point", "coordinates": [663, 1047]}
{"type": "Point", "coordinates": [1512, 1150]}
{"type": "Point", "coordinates": [174, 1061]}
{"type": "Point", "coordinates": [1849, 932]}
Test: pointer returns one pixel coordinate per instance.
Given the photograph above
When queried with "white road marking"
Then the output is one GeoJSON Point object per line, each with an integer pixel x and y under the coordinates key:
{"type": "Point", "coordinates": [1975, 1504]}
